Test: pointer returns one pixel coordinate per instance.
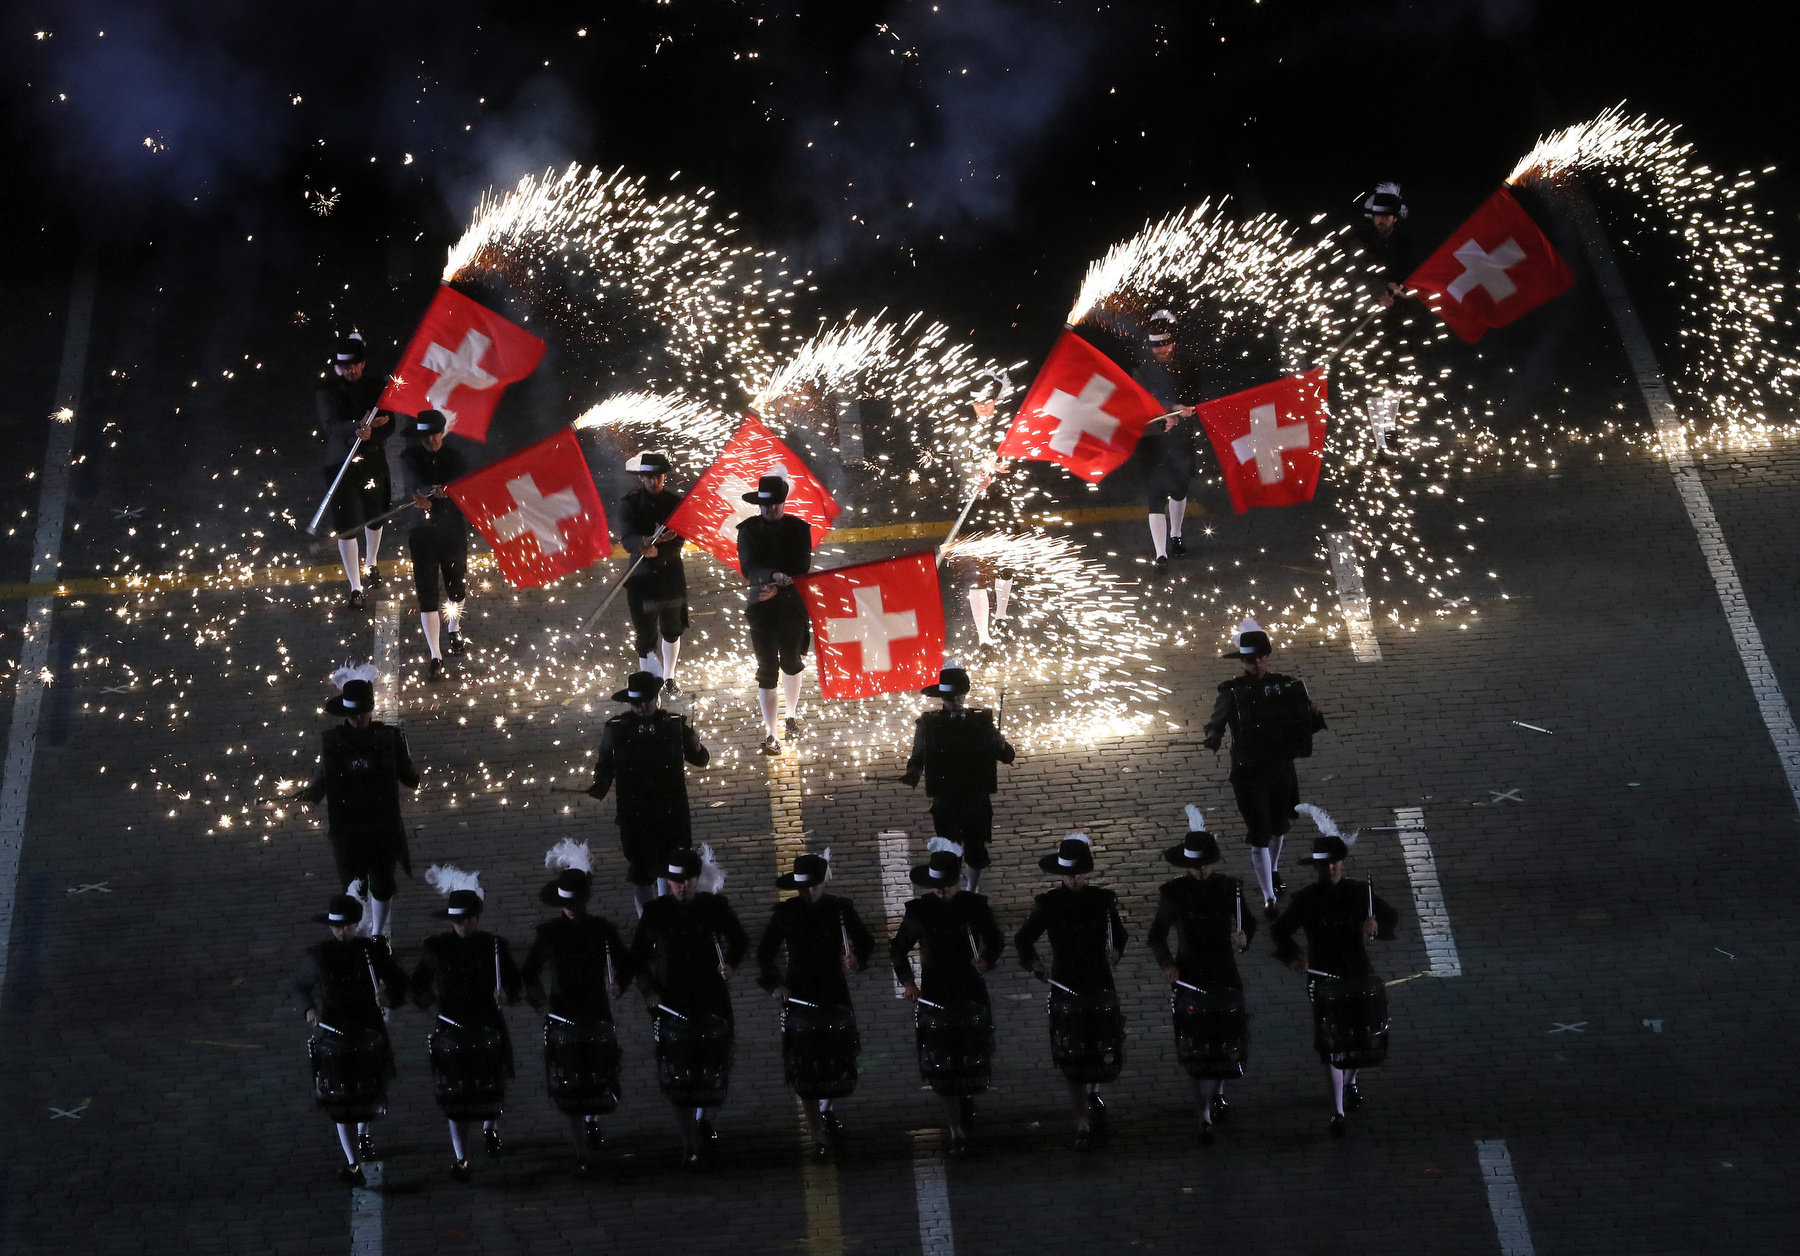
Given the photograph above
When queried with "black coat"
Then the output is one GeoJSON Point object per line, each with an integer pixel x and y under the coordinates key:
{"type": "Point", "coordinates": [337, 981]}
{"type": "Point", "coordinates": [1271, 718]}
{"type": "Point", "coordinates": [1333, 917]}
{"type": "Point", "coordinates": [429, 468]}
{"type": "Point", "coordinates": [578, 952]}
{"type": "Point", "coordinates": [341, 405]}
{"type": "Point", "coordinates": [1385, 261]}
{"type": "Point", "coordinates": [1084, 926]}
{"type": "Point", "coordinates": [458, 975]}
{"type": "Point", "coordinates": [643, 756]}
{"type": "Point", "coordinates": [678, 948]}
{"type": "Point", "coordinates": [1206, 912]}
{"type": "Point", "coordinates": [767, 546]}
{"type": "Point", "coordinates": [956, 752]}
{"type": "Point", "coordinates": [663, 577]}
{"type": "Point", "coordinates": [949, 933]}
{"type": "Point", "coordinates": [359, 778]}
{"type": "Point", "coordinates": [816, 936]}
{"type": "Point", "coordinates": [1159, 448]}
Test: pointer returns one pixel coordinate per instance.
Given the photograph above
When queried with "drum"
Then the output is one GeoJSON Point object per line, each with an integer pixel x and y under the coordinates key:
{"type": "Point", "coordinates": [956, 1047]}
{"type": "Point", "coordinates": [1350, 1020]}
{"type": "Point", "coordinates": [1212, 1033]}
{"type": "Point", "coordinates": [819, 1046]}
{"type": "Point", "coordinates": [581, 1066]}
{"type": "Point", "coordinates": [1087, 1036]}
{"type": "Point", "coordinates": [468, 1063]}
{"type": "Point", "coordinates": [350, 1073]}
{"type": "Point", "coordinates": [693, 1058]}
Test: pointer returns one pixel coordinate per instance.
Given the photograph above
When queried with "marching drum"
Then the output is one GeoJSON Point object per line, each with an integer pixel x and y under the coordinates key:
{"type": "Point", "coordinates": [350, 1073]}
{"type": "Point", "coordinates": [1350, 1020]}
{"type": "Point", "coordinates": [956, 1047]}
{"type": "Point", "coordinates": [581, 1066]}
{"type": "Point", "coordinates": [1212, 1033]}
{"type": "Point", "coordinates": [819, 1046]}
{"type": "Point", "coordinates": [1087, 1036]}
{"type": "Point", "coordinates": [693, 1058]}
{"type": "Point", "coordinates": [468, 1063]}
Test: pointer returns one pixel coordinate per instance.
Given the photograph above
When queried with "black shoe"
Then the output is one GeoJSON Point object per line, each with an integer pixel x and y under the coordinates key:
{"type": "Point", "coordinates": [959, 1148]}
{"type": "Point", "coordinates": [356, 602]}
{"type": "Point", "coordinates": [1352, 1097]}
{"type": "Point", "coordinates": [459, 1169]}
{"type": "Point", "coordinates": [1280, 885]}
{"type": "Point", "coordinates": [455, 644]}
{"type": "Point", "coordinates": [968, 1110]}
{"type": "Point", "coordinates": [704, 1129]}
{"type": "Point", "coordinates": [1270, 911]}
{"type": "Point", "coordinates": [352, 1175]}
{"type": "Point", "coordinates": [833, 1126]}
{"type": "Point", "coordinates": [691, 1162]}
{"type": "Point", "coordinates": [1176, 547]}
{"type": "Point", "coordinates": [793, 728]}
{"type": "Point", "coordinates": [1161, 564]}
{"type": "Point", "coordinates": [491, 1140]}
{"type": "Point", "coordinates": [365, 1148]}
{"type": "Point", "coordinates": [1205, 1134]}
{"type": "Point", "coordinates": [670, 688]}
{"type": "Point", "coordinates": [1221, 1111]}
{"type": "Point", "coordinates": [595, 1140]}
{"type": "Point", "coordinates": [373, 579]}
{"type": "Point", "coordinates": [770, 746]}
{"type": "Point", "coordinates": [1096, 1105]}
{"type": "Point", "coordinates": [435, 670]}
{"type": "Point", "coordinates": [1338, 1128]}
{"type": "Point", "coordinates": [1084, 1140]}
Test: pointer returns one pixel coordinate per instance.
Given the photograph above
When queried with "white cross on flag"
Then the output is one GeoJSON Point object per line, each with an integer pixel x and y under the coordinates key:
{"type": "Point", "coordinates": [1492, 269]}
{"type": "Point", "coordinates": [459, 362]}
{"type": "Point", "coordinates": [877, 627]}
{"type": "Point", "coordinates": [1270, 440]}
{"type": "Point", "coordinates": [539, 511]}
{"type": "Point", "coordinates": [709, 515]}
{"type": "Point", "coordinates": [1081, 412]}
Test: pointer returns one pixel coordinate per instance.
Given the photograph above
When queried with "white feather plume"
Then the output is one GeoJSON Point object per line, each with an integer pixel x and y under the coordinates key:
{"type": "Point", "coordinates": [826, 856]}
{"type": "Point", "coordinates": [1196, 822]}
{"type": "Point", "coordinates": [944, 843]}
{"type": "Point", "coordinates": [1083, 838]}
{"type": "Point", "coordinates": [1317, 815]}
{"type": "Point", "coordinates": [568, 853]}
{"type": "Point", "coordinates": [712, 877]}
{"type": "Point", "coordinates": [1249, 625]}
{"type": "Point", "coordinates": [344, 675]}
{"type": "Point", "coordinates": [445, 878]}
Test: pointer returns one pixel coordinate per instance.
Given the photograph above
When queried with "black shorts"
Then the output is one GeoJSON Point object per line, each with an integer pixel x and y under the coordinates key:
{"type": "Point", "coordinates": [435, 560]}
{"type": "Point", "coordinates": [1266, 798]}
{"type": "Point", "coordinates": [363, 860]}
{"type": "Point", "coordinates": [781, 634]}
{"type": "Point", "coordinates": [1165, 484]}
{"type": "Point", "coordinates": [969, 822]}
{"type": "Point", "coordinates": [363, 495]}
{"type": "Point", "coordinates": [654, 619]}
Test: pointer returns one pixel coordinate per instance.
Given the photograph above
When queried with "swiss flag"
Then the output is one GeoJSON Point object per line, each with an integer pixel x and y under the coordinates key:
{"type": "Point", "coordinates": [877, 627]}
{"type": "Point", "coordinates": [459, 362]}
{"type": "Point", "coordinates": [539, 511]}
{"type": "Point", "coordinates": [1082, 412]}
{"type": "Point", "coordinates": [1492, 269]}
{"type": "Point", "coordinates": [1270, 440]}
{"type": "Point", "coordinates": [709, 515]}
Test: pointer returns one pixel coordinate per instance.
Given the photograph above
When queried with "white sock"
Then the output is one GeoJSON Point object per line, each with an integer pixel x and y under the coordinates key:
{"type": "Point", "coordinates": [349, 556]}
{"type": "Point", "coordinates": [769, 700]}
{"type": "Point", "coordinates": [430, 620]}
{"type": "Point", "coordinates": [348, 1141]}
{"type": "Point", "coordinates": [578, 1128]}
{"type": "Point", "coordinates": [452, 617]}
{"type": "Point", "coordinates": [978, 607]}
{"type": "Point", "coordinates": [372, 544]}
{"type": "Point", "coordinates": [1275, 854]}
{"type": "Point", "coordinates": [378, 916]}
{"type": "Point", "coordinates": [456, 1140]}
{"type": "Point", "coordinates": [1177, 513]}
{"type": "Point", "coordinates": [650, 663]}
{"type": "Point", "coordinates": [641, 894]}
{"type": "Point", "coordinates": [1159, 534]}
{"type": "Point", "coordinates": [1335, 1076]}
{"type": "Point", "coordinates": [1264, 869]}
{"type": "Point", "coordinates": [1002, 596]}
{"type": "Point", "coordinates": [671, 651]}
{"type": "Point", "coordinates": [972, 876]}
{"type": "Point", "coordinates": [790, 685]}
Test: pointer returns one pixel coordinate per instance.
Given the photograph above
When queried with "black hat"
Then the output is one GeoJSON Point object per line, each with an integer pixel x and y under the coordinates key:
{"type": "Point", "coordinates": [1162, 327]}
{"type": "Point", "coordinates": [1328, 849]}
{"type": "Point", "coordinates": [357, 698]}
{"type": "Point", "coordinates": [769, 490]}
{"type": "Point", "coordinates": [1074, 857]}
{"type": "Point", "coordinates": [350, 350]}
{"type": "Point", "coordinates": [343, 909]}
{"type": "Point", "coordinates": [460, 905]}
{"type": "Point", "coordinates": [943, 868]}
{"type": "Point", "coordinates": [428, 423]}
{"type": "Point", "coordinates": [951, 680]}
{"type": "Point", "coordinates": [1385, 199]}
{"type": "Point", "coordinates": [1251, 642]}
{"type": "Point", "coordinates": [639, 687]}
{"type": "Point", "coordinates": [683, 865]}
{"type": "Point", "coordinates": [649, 462]}
{"type": "Point", "coordinates": [571, 886]}
{"type": "Point", "coordinates": [808, 870]}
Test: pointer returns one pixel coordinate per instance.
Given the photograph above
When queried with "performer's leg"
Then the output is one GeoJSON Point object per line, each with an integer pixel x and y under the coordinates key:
{"type": "Point", "coordinates": [763, 640]}
{"type": "Point", "coordinates": [578, 1128]}
{"type": "Point", "coordinates": [671, 651]}
{"type": "Point", "coordinates": [455, 571]}
{"type": "Point", "coordinates": [1261, 864]}
{"type": "Point", "coordinates": [381, 889]}
{"type": "Point", "coordinates": [643, 633]}
{"type": "Point", "coordinates": [684, 1121]}
{"type": "Point", "coordinates": [769, 702]}
{"type": "Point", "coordinates": [372, 545]}
{"type": "Point", "coordinates": [457, 1143]}
{"type": "Point", "coordinates": [1334, 1081]}
{"type": "Point", "coordinates": [642, 894]}
{"type": "Point", "coordinates": [348, 555]}
{"type": "Point", "coordinates": [1177, 514]}
{"type": "Point", "coordinates": [953, 1115]}
{"type": "Point", "coordinates": [347, 1140]}
{"type": "Point", "coordinates": [453, 617]}
{"type": "Point", "coordinates": [422, 551]}
{"type": "Point", "coordinates": [1078, 1099]}
{"type": "Point", "coordinates": [429, 621]}
{"type": "Point", "coordinates": [790, 689]}
{"type": "Point", "coordinates": [1159, 533]}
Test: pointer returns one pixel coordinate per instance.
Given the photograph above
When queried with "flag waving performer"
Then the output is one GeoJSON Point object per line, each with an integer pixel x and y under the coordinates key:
{"type": "Point", "coordinates": [773, 548]}
{"type": "Point", "coordinates": [824, 939]}
{"type": "Point", "coordinates": [439, 543]}
{"type": "Point", "coordinates": [955, 751]}
{"type": "Point", "coordinates": [656, 587]}
{"type": "Point", "coordinates": [1206, 908]}
{"type": "Point", "coordinates": [1165, 451]}
{"type": "Point", "coordinates": [589, 967]}
{"type": "Point", "coordinates": [356, 432]}
{"type": "Point", "coordinates": [1087, 1030]}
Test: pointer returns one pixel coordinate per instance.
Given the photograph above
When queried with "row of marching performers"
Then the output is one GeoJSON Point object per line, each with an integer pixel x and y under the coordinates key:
{"type": "Point", "coordinates": [689, 942]}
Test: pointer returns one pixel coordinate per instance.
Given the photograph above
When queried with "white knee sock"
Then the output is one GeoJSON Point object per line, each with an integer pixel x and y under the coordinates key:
{"type": "Point", "coordinates": [972, 878]}
{"type": "Point", "coordinates": [1275, 853]}
{"type": "Point", "coordinates": [650, 663]}
{"type": "Point", "coordinates": [456, 1140]}
{"type": "Point", "coordinates": [790, 685]}
{"type": "Point", "coordinates": [979, 602]}
{"type": "Point", "coordinates": [1159, 534]}
{"type": "Point", "coordinates": [348, 1141]}
{"type": "Point", "coordinates": [671, 651]}
{"type": "Point", "coordinates": [641, 894]}
{"type": "Point", "coordinates": [452, 617]}
{"type": "Point", "coordinates": [1264, 869]}
{"type": "Point", "coordinates": [769, 702]}
{"type": "Point", "coordinates": [1177, 513]}
{"type": "Point", "coordinates": [1335, 1078]}
{"type": "Point", "coordinates": [379, 910]}
{"type": "Point", "coordinates": [429, 620]}
{"type": "Point", "coordinates": [348, 555]}
{"type": "Point", "coordinates": [372, 544]}
{"type": "Point", "coordinates": [578, 1132]}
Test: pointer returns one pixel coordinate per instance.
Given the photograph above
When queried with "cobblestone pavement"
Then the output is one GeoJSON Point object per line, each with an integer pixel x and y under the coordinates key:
{"type": "Point", "coordinates": [1623, 1022]}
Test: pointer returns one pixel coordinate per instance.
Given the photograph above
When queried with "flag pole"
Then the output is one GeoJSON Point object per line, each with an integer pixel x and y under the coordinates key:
{"type": "Point", "coordinates": [376, 522]}
{"type": "Point", "coordinates": [620, 582]}
{"type": "Point", "coordinates": [312, 528]}
{"type": "Point", "coordinates": [1343, 344]}
{"type": "Point", "coordinates": [969, 505]}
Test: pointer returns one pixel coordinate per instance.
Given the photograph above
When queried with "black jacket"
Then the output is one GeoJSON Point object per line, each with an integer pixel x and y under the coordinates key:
{"type": "Point", "coordinates": [459, 976]}
{"type": "Point", "coordinates": [1270, 718]}
{"type": "Point", "coordinates": [578, 952]}
{"type": "Point", "coordinates": [949, 933]}
{"type": "Point", "coordinates": [341, 405]}
{"type": "Point", "coordinates": [678, 948]}
{"type": "Point", "coordinates": [337, 981]}
{"type": "Point", "coordinates": [1385, 261]}
{"type": "Point", "coordinates": [662, 577]}
{"type": "Point", "coordinates": [1160, 448]}
{"type": "Point", "coordinates": [1333, 917]}
{"type": "Point", "coordinates": [359, 778]}
{"type": "Point", "coordinates": [643, 756]}
{"type": "Point", "coordinates": [956, 752]}
{"type": "Point", "coordinates": [428, 468]}
{"type": "Point", "coordinates": [1206, 911]}
{"type": "Point", "coordinates": [816, 936]}
{"type": "Point", "coordinates": [768, 546]}
{"type": "Point", "coordinates": [1083, 925]}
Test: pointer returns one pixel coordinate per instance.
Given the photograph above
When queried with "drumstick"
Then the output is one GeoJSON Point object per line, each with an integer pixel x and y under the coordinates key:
{"type": "Point", "coordinates": [609, 967]}
{"type": "Point", "coordinates": [1185, 986]}
{"type": "Point", "coordinates": [498, 984]}
{"type": "Point", "coordinates": [1316, 973]}
{"type": "Point", "coordinates": [448, 1021]}
{"type": "Point", "coordinates": [929, 1003]}
{"type": "Point", "coordinates": [1060, 986]}
{"type": "Point", "coordinates": [374, 985]}
{"type": "Point", "coordinates": [333, 1028]}
{"type": "Point", "coordinates": [1371, 898]}
{"type": "Point", "coordinates": [1237, 909]}
{"type": "Point", "coordinates": [664, 1007]}
{"type": "Point", "coordinates": [564, 1019]}
{"type": "Point", "coordinates": [801, 1002]}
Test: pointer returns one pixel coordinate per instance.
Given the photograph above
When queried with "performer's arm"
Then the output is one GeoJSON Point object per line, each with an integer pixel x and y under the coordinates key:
{"type": "Point", "coordinates": [1385, 920]}
{"type": "Point", "coordinates": [1025, 940]}
{"type": "Point", "coordinates": [756, 566]}
{"type": "Point", "coordinates": [1246, 917]}
{"type": "Point", "coordinates": [1313, 714]}
{"type": "Point", "coordinates": [624, 966]}
{"type": "Point", "coordinates": [1282, 931]}
{"type": "Point", "coordinates": [603, 765]}
{"type": "Point", "coordinates": [390, 975]}
{"type": "Point", "coordinates": [862, 943]}
{"type": "Point", "coordinates": [900, 951]}
{"type": "Point", "coordinates": [510, 978]}
{"type": "Point", "coordinates": [1003, 750]}
{"type": "Point", "coordinates": [305, 999]}
{"type": "Point", "coordinates": [737, 941]}
{"type": "Point", "coordinates": [988, 935]}
{"type": "Point", "coordinates": [315, 791]}
{"type": "Point", "coordinates": [691, 749]}
{"type": "Point", "coordinates": [915, 765]}
{"type": "Point", "coordinates": [643, 963]}
{"type": "Point", "coordinates": [636, 537]}
{"type": "Point", "coordinates": [532, 971]}
{"type": "Point", "coordinates": [424, 981]}
{"type": "Point", "coordinates": [1115, 926]}
{"type": "Point", "coordinates": [1157, 939]}
{"type": "Point", "coordinates": [768, 973]}
{"type": "Point", "coordinates": [1215, 727]}
{"type": "Point", "coordinates": [404, 771]}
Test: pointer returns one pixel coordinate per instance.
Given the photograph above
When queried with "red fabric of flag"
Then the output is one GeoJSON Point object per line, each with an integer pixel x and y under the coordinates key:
{"type": "Point", "coordinates": [877, 627]}
{"type": "Point", "coordinates": [1082, 412]}
{"type": "Point", "coordinates": [1270, 440]}
{"type": "Point", "coordinates": [539, 511]}
{"type": "Point", "coordinates": [459, 362]}
{"type": "Point", "coordinates": [709, 515]}
{"type": "Point", "coordinates": [1494, 268]}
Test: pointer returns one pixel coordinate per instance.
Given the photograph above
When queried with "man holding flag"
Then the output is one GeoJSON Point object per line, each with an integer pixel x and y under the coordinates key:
{"type": "Point", "coordinates": [773, 548]}
{"type": "Point", "coordinates": [1165, 451]}
{"type": "Point", "coordinates": [656, 586]}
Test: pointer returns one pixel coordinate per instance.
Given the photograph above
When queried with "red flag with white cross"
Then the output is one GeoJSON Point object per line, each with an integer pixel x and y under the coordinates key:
{"type": "Point", "coordinates": [1492, 269]}
{"type": "Point", "coordinates": [1081, 412]}
{"type": "Point", "coordinates": [710, 513]}
{"type": "Point", "coordinates": [1270, 440]}
{"type": "Point", "coordinates": [539, 511]}
{"type": "Point", "coordinates": [459, 362]}
{"type": "Point", "coordinates": [877, 627]}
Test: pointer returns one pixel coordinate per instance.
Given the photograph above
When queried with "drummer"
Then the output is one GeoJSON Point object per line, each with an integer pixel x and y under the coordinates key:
{"type": "Point", "coordinates": [1207, 908]}
{"type": "Point", "coordinates": [345, 986]}
{"type": "Point", "coordinates": [825, 939]}
{"type": "Point", "coordinates": [1086, 940]}
{"type": "Point", "coordinates": [958, 941]}
{"type": "Point", "coordinates": [687, 946]}
{"type": "Point", "coordinates": [1337, 914]}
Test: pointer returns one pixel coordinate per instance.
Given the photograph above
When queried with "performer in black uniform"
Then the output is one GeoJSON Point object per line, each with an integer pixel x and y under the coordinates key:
{"type": "Point", "coordinates": [773, 548]}
{"type": "Point", "coordinates": [687, 946]}
{"type": "Point", "coordinates": [825, 939]}
{"type": "Point", "coordinates": [958, 940]}
{"type": "Point", "coordinates": [346, 409]}
{"type": "Point", "coordinates": [1207, 909]}
{"type": "Point", "coordinates": [1165, 452]}
{"type": "Point", "coordinates": [1390, 253]}
{"type": "Point", "coordinates": [1272, 722]}
{"type": "Point", "coordinates": [1337, 913]}
{"type": "Point", "coordinates": [438, 543]}
{"type": "Point", "coordinates": [344, 989]}
{"type": "Point", "coordinates": [956, 749]}
{"type": "Point", "coordinates": [589, 967]}
{"type": "Point", "coordinates": [470, 975]}
{"type": "Point", "coordinates": [1086, 940]}
{"type": "Point", "coordinates": [362, 764]}
{"type": "Point", "coordinates": [642, 750]}
{"type": "Point", "coordinates": [656, 589]}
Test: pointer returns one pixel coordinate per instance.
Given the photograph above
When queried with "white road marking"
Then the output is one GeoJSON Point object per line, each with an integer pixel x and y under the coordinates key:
{"type": "Point", "coordinates": [896, 883]}
{"type": "Point", "coordinates": [936, 1235]}
{"type": "Point", "coordinates": [1428, 895]}
{"type": "Point", "coordinates": [34, 651]}
{"type": "Point", "coordinates": [365, 1214]}
{"type": "Point", "coordinates": [1671, 433]}
{"type": "Point", "coordinates": [1353, 601]}
{"type": "Point", "coordinates": [1574, 1027]}
{"type": "Point", "coordinates": [1503, 1197]}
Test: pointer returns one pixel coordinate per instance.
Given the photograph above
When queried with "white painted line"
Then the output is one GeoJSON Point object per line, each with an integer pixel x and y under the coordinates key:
{"type": "Point", "coordinates": [387, 660]}
{"type": "Point", "coordinates": [1503, 1197]}
{"type": "Point", "coordinates": [34, 647]}
{"type": "Point", "coordinates": [365, 1214]}
{"type": "Point", "coordinates": [896, 883]}
{"type": "Point", "coordinates": [1428, 895]}
{"type": "Point", "coordinates": [1671, 433]}
{"type": "Point", "coordinates": [936, 1235]}
{"type": "Point", "coordinates": [1353, 601]}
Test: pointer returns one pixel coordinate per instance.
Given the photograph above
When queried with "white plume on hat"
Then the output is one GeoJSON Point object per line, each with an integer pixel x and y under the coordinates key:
{"type": "Point", "coordinates": [447, 878]}
{"type": "Point", "coordinates": [344, 675]}
{"type": "Point", "coordinates": [1249, 625]}
{"type": "Point", "coordinates": [1326, 824]}
{"type": "Point", "coordinates": [1162, 316]}
{"type": "Point", "coordinates": [1196, 822]}
{"type": "Point", "coordinates": [1386, 189]}
{"type": "Point", "coordinates": [826, 856]}
{"type": "Point", "coordinates": [358, 890]}
{"type": "Point", "coordinates": [568, 853]}
{"type": "Point", "coordinates": [944, 843]}
{"type": "Point", "coordinates": [1083, 838]}
{"type": "Point", "coordinates": [712, 877]}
